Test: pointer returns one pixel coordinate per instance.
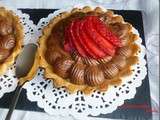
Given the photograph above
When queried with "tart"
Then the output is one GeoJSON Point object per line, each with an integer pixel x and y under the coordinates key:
{"type": "Point", "coordinates": [87, 49]}
{"type": "Point", "coordinates": [11, 37]}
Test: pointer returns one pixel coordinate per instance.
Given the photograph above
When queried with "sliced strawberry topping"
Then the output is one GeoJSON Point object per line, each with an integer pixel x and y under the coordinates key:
{"type": "Point", "coordinates": [74, 40]}
{"type": "Point", "coordinates": [90, 37]}
{"type": "Point", "coordinates": [97, 53]}
{"type": "Point", "coordinates": [78, 28]}
{"type": "Point", "coordinates": [97, 38]}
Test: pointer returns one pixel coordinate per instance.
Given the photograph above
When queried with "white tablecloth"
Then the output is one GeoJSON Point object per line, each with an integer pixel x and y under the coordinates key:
{"type": "Point", "coordinates": [150, 10]}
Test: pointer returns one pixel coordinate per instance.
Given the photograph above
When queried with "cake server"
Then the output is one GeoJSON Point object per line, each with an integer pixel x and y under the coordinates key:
{"type": "Point", "coordinates": [24, 64]}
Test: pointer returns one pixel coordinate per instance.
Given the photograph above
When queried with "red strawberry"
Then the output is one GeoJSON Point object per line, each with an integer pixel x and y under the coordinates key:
{"type": "Point", "coordinates": [98, 53]}
{"type": "Point", "coordinates": [74, 40]}
{"type": "Point", "coordinates": [105, 31]}
{"type": "Point", "coordinates": [102, 43]}
{"type": "Point", "coordinates": [78, 25]}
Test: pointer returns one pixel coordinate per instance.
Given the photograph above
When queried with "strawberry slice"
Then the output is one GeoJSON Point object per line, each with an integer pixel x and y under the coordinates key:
{"type": "Point", "coordinates": [102, 43]}
{"type": "Point", "coordinates": [78, 25]}
{"type": "Point", "coordinates": [74, 40]}
{"type": "Point", "coordinates": [93, 48]}
{"type": "Point", "coordinates": [105, 31]}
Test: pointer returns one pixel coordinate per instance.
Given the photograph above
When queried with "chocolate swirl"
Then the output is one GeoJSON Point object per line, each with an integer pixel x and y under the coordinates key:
{"type": "Point", "coordinates": [4, 53]}
{"type": "Point", "coordinates": [89, 61]}
{"type": "Point", "coordinates": [125, 51]}
{"type": "Point", "coordinates": [5, 27]}
{"type": "Point", "coordinates": [7, 42]}
{"type": "Point", "coordinates": [105, 59]}
{"type": "Point", "coordinates": [77, 74]}
{"type": "Point", "coordinates": [76, 57]}
{"type": "Point", "coordinates": [93, 75]}
{"type": "Point", "coordinates": [106, 17]}
{"type": "Point", "coordinates": [62, 66]}
{"type": "Point", "coordinates": [110, 70]}
{"type": "Point", "coordinates": [121, 30]}
{"type": "Point", "coordinates": [124, 40]}
{"type": "Point", "coordinates": [109, 18]}
{"type": "Point", "coordinates": [120, 62]}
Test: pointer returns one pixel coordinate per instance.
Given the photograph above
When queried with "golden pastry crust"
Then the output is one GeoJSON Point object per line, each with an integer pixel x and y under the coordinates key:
{"type": "Point", "coordinates": [18, 29]}
{"type": "Point", "coordinates": [59, 81]}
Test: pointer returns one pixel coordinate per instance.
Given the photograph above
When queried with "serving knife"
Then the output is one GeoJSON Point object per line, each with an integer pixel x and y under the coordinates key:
{"type": "Point", "coordinates": [24, 64]}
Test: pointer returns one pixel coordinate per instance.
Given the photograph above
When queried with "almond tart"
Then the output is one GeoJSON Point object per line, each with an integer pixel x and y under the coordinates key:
{"type": "Point", "coordinates": [11, 37]}
{"type": "Point", "coordinates": [87, 49]}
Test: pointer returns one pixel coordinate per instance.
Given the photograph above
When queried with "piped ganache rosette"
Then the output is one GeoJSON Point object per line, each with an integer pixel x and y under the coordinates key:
{"type": "Point", "coordinates": [11, 37]}
{"type": "Point", "coordinates": [87, 49]}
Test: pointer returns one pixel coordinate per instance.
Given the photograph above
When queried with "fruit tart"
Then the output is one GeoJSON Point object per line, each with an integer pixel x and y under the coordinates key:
{"type": "Point", "coordinates": [87, 49]}
{"type": "Point", "coordinates": [11, 37]}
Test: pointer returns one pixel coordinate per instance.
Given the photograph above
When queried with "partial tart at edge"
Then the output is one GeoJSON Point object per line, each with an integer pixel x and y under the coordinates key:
{"type": "Point", "coordinates": [11, 38]}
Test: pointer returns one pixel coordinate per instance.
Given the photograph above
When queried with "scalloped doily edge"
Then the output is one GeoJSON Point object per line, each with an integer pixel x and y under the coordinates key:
{"type": "Point", "coordinates": [86, 114]}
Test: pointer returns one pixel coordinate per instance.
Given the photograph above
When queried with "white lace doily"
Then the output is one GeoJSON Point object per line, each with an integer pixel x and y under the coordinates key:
{"type": "Point", "coordinates": [8, 81]}
{"type": "Point", "coordinates": [57, 101]}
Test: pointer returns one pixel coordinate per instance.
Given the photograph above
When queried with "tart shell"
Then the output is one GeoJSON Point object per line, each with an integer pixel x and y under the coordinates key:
{"type": "Point", "coordinates": [18, 37]}
{"type": "Point", "coordinates": [61, 82]}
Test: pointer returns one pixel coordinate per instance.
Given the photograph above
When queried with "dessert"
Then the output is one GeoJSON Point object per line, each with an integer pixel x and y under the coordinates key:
{"type": "Point", "coordinates": [11, 36]}
{"type": "Point", "coordinates": [87, 49]}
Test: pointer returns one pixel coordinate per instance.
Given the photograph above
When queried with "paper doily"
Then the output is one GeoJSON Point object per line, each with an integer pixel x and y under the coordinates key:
{"type": "Point", "coordinates": [8, 81]}
{"type": "Point", "coordinates": [57, 101]}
